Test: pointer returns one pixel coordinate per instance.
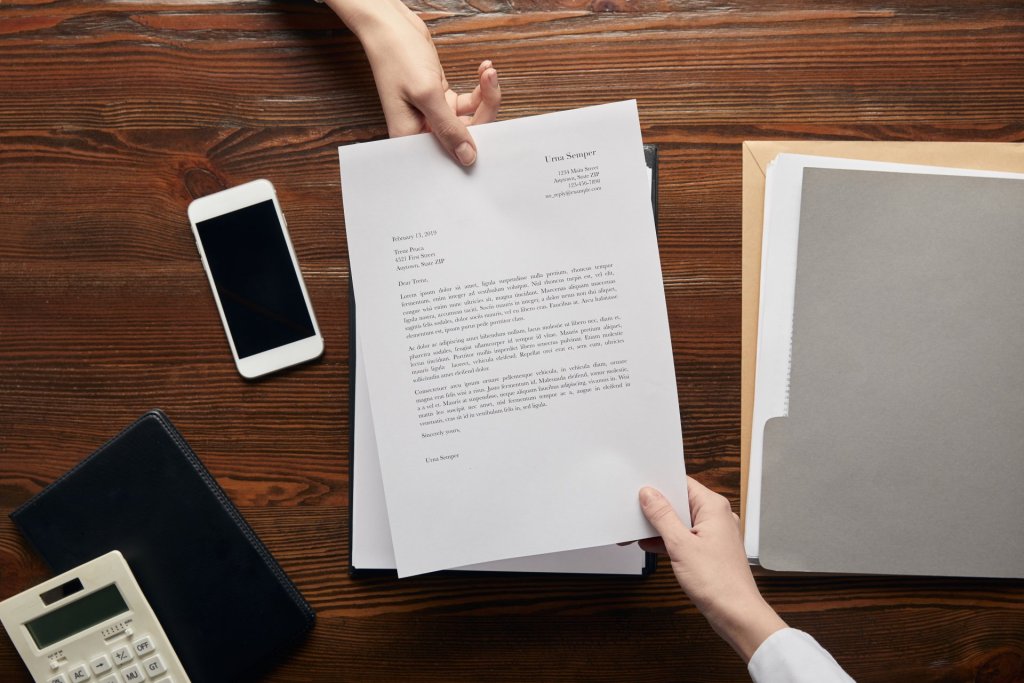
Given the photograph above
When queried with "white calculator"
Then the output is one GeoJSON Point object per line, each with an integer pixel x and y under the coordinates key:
{"type": "Point", "coordinates": [91, 624]}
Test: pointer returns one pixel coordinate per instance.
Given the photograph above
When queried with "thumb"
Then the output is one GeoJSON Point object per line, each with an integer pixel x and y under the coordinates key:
{"type": "Point", "coordinates": [449, 130]}
{"type": "Point", "coordinates": [662, 516]}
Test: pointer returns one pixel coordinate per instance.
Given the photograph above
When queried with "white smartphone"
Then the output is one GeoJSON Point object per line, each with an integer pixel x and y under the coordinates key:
{"type": "Point", "coordinates": [243, 241]}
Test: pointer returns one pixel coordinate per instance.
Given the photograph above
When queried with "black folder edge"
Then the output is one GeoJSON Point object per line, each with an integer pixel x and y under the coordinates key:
{"type": "Point", "coordinates": [161, 418]}
{"type": "Point", "coordinates": [651, 559]}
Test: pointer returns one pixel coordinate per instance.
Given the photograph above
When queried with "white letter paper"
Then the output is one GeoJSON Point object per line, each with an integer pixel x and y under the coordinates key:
{"type": "Point", "coordinates": [513, 325]}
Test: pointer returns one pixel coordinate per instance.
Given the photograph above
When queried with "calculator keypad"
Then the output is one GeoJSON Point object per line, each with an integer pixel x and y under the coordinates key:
{"type": "Point", "coordinates": [130, 662]}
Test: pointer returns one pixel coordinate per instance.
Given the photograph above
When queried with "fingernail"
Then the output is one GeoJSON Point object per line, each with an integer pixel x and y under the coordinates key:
{"type": "Point", "coordinates": [465, 153]}
{"type": "Point", "coordinates": [649, 496]}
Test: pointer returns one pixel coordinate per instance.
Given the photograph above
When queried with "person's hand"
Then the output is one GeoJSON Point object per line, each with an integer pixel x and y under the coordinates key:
{"type": "Point", "coordinates": [412, 86]}
{"type": "Point", "coordinates": [711, 566]}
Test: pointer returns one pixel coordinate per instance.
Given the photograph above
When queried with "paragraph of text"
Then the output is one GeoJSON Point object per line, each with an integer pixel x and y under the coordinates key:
{"type": "Point", "coordinates": [497, 394]}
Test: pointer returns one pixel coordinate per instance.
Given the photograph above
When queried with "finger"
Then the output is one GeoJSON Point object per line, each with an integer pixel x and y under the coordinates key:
{"type": "Point", "coordinates": [451, 98]}
{"type": "Point", "coordinates": [696, 491]}
{"type": "Point", "coordinates": [705, 504]}
{"type": "Point", "coordinates": [450, 131]}
{"type": "Point", "coordinates": [490, 97]}
{"type": "Point", "coordinates": [467, 103]}
{"type": "Point", "coordinates": [663, 518]}
{"type": "Point", "coordinates": [653, 545]}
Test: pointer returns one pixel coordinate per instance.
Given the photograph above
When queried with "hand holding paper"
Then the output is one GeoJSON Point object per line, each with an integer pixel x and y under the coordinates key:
{"type": "Point", "coordinates": [710, 565]}
{"type": "Point", "coordinates": [413, 90]}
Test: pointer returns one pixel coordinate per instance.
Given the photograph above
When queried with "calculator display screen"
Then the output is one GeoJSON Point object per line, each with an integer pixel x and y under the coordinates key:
{"type": "Point", "coordinates": [77, 616]}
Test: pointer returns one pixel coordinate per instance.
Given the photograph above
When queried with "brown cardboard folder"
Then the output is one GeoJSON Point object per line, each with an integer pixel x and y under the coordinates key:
{"type": "Point", "coordinates": [996, 156]}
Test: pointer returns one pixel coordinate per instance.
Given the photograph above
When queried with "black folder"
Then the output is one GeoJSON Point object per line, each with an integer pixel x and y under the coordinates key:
{"type": "Point", "coordinates": [227, 607]}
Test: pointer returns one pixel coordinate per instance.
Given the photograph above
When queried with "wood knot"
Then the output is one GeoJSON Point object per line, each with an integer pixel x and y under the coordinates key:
{"type": "Point", "coordinates": [1001, 667]}
{"type": "Point", "coordinates": [200, 182]}
{"type": "Point", "coordinates": [605, 6]}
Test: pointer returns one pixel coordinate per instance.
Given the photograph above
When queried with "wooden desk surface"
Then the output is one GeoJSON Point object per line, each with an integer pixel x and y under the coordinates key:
{"type": "Point", "coordinates": [112, 114]}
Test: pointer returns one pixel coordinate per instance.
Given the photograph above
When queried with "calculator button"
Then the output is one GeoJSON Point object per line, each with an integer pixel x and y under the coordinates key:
{"type": "Point", "coordinates": [143, 646]}
{"type": "Point", "coordinates": [59, 678]}
{"type": "Point", "coordinates": [79, 673]}
{"type": "Point", "coordinates": [132, 674]}
{"type": "Point", "coordinates": [154, 666]}
{"type": "Point", "coordinates": [122, 655]}
{"type": "Point", "coordinates": [112, 678]}
{"type": "Point", "coordinates": [100, 665]}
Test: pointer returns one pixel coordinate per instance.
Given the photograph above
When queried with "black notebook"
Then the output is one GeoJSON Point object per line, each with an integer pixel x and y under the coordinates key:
{"type": "Point", "coordinates": [227, 607]}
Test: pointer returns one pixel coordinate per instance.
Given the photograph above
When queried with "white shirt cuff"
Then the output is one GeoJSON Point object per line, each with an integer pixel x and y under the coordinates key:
{"type": "Point", "coordinates": [792, 656]}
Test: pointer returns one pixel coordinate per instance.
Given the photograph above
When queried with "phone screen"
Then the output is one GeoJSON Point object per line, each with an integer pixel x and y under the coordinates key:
{"type": "Point", "coordinates": [257, 284]}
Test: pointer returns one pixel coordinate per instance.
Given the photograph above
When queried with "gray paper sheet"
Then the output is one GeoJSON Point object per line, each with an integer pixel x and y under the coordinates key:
{"type": "Point", "coordinates": [903, 451]}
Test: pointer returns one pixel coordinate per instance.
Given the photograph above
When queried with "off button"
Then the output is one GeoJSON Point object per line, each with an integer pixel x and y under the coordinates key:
{"type": "Point", "coordinates": [143, 646]}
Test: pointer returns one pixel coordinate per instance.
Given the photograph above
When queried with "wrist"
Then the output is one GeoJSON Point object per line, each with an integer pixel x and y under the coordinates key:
{"type": "Point", "coordinates": [745, 624]}
{"type": "Point", "coordinates": [364, 17]}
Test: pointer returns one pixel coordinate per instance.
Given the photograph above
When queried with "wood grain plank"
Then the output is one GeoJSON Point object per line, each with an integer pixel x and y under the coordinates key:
{"type": "Point", "coordinates": [113, 115]}
{"type": "Point", "coordinates": [768, 71]}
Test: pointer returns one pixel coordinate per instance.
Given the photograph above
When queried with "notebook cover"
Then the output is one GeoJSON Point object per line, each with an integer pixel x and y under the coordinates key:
{"type": "Point", "coordinates": [901, 453]}
{"type": "Point", "coordinates": [651, 559]}
{"type": "Point", "coordinates": [227, 607]}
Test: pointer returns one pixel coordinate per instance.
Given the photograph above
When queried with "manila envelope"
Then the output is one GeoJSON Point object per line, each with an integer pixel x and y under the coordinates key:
{"type": "Point", "coordinates": [991, 156]}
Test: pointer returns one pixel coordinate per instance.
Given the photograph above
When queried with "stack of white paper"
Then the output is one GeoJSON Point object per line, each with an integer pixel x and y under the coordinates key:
{"type": "Point", "coordinates": [513, 328]}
